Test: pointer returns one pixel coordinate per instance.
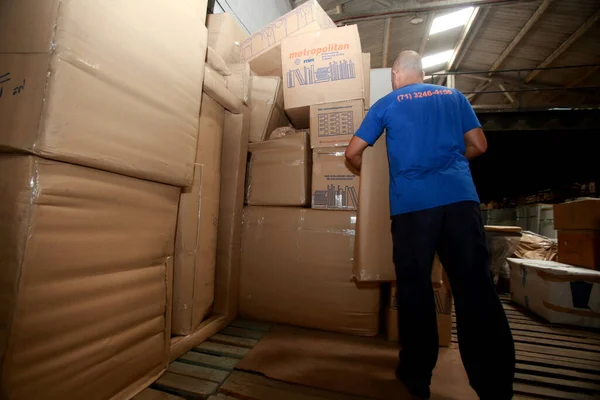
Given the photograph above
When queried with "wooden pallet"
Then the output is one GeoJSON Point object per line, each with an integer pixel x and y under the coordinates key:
{"type": "Point", "coordinates": [553, 361]}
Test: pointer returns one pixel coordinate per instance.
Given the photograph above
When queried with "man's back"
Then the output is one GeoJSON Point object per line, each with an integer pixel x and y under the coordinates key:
{"type": "Point", "coordinates": [425, 125]}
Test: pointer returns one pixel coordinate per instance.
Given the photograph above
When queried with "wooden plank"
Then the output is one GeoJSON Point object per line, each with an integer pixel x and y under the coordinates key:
{"type": "Point", "coordinates": [558, 343]}
{"type": "Point", "coordinates": [256, 387]}
{"type": "Point", "coordinates": [567, 383]}
{"type": "Point", "coordinates": [196, 371]}
{"type": "Point", "coordinates": [576, 354]}
{"type": "Point", "coordinates": [219, 349]}
{"type": "Point", "coordinates": [221, 396]}
{"type": "Point", "coordinates": [547, 328]}
{"type": "Point", "coordinates": [233, 340]}
{"type": "Point", "coordinates": [254, 325]}
{"type": "Point", "coordinates": [186, 386]}
{"type": "Point", "coordinates": [209, 360]}
{"type": "Point", "coordinates": [571, 339]}
{"type": "Point", "coordinates": [151, 394]}
{"type": "Point", "coordinates": [242, 332]}
{"type": "Point", "coordinates": [182, 344]}
{"type": "Point", "coordinates": [563, 362]}
{"type": "Point", "coordinates": [555, 370]}
{"type": "Point", "coordinates": [549, 392]}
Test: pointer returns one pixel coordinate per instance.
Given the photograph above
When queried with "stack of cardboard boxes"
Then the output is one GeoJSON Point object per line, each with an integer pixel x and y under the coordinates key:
{"type": "Point", "coordinates": [99, 104]}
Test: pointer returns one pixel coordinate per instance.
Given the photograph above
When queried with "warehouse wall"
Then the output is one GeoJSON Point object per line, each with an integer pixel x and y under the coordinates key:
{"type": "Point", "coordinates": [253, 15]}
{"type": "Point", "coordinates": [381, 83]}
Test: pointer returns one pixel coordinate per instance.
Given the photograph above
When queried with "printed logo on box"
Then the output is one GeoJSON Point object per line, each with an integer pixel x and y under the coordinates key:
{"type": "Point", "coordinates": [309, 75]}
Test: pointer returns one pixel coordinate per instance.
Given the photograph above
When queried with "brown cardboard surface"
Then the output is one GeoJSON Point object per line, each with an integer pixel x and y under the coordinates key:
{"type": "Point", "coordinates": [334, 184]}
{"type": "Point", "coordinates": [84, 281]}
{"type": "Point", "coordinates": [225, 36]}
{"type": "Point", "coordinates": [279, 172]}
{"type": "Point", "coordinates": [296, 269]}
{"type": "Point", "coordinates": [74, 75]}
{"type": "Point", "coordinates": [239, 82]}
{"type": "Point", "coordinates": [266, 107]}
{"type": "Point", "coordinates": [320, 67]}
{"type": "Point", "coordinates": [373, 257]}
{"type": "Point", "coordinates": [366, 57]}
{"type": "Point", "coordinates": [229, 236]}
{"type": "Point", "coordinates": [580, 248]}
{"type": "Point", "coordinates": [215, 85]}
{"type": "Point", "coordinates": [334, 124]}
{"type": "Point", "coordinates": [263, 48]}
{"type": "Point", "coordinates": [347, 364]}
{"type": "Point", "coordinates": [196, 240]}
{"type": "Point", "coordinates": [579, 214]}
{"type": "Point", "coordinates": [216, 62]}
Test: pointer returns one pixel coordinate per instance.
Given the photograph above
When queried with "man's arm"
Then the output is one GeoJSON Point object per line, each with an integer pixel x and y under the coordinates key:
{"type": "Point", "coordinates": [354, 152]}
{"type": "Point", "coordinates": [475, 143]}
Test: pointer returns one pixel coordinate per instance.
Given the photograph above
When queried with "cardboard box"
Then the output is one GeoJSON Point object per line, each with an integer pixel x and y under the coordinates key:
{"type": "Point", "coordinates": [366, 57]}
{"type": "Point", "coordinates": [215, 85]}
{"type": "Point", "coordinates": [196, 240]}
{"type": "Point", "coordinates": [229, 236]}
{"type": "Point", "coordinates": [321, 67]}
{"type": "Point", "coordinates": [296, 270]}
{"type": "Point", "coordinates": [279, 172]}
{"type": "Point", "coordinates": [263, 49]}
{"type": "Point", "coordinates": [266, 107]}
{"type": "Point", "coordinates": [580, 248]}
{"type": "Point", "coordinates": [443, 306]}
{"type": "Point", "coordinates": [225, 36]}
{"type": "Point", "coordinates": [374, 248]}
{"type": "Point", "coordinates": [216, 62]}
{"type": "Point", "coordinates": [84, 280]}
{"type": "Point", "coordinates": [334, 124]}
{"type": "Point", "coordinates": [104, 84]}
{"type": "Point", "coordinates": [239, 82]}
{"type": "Point", "coordinates": [334, 184]}
{"type": "Point", "coordinates": [579, 214]}
{"type": "Point", "coordinates": [560, 293]}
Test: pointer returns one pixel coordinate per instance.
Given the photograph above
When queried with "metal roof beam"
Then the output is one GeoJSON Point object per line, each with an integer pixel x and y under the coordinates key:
{"type": "Point", "coordinates": [326, 4]}
{"type": "Point", "coordinates": [414, 6]}
{"type": "Point", "coordinates": [428, 23]}
{"type": "Point", "coordinates": [386, 42]}
{"type": "Point", "coordinates": [565, 45]}
{"type": "Point", "coordinates": [483, 12]}
{"type": "Point", "coordinates": [524, 30]}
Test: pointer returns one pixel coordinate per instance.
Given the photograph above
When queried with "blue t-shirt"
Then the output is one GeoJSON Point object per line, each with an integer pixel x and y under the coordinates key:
{"type": "Point", "coordinates": [425, 125]}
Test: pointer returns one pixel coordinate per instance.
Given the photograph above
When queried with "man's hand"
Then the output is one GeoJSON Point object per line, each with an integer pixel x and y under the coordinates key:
{"type": "Point", "coordinates": [475, 142]}
{"type": "Point", "coordinates": [354, 152]}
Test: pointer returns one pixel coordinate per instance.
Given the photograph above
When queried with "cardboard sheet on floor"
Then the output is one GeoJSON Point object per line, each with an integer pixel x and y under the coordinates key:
{"type": "Point", "coordinates": [348, 364]}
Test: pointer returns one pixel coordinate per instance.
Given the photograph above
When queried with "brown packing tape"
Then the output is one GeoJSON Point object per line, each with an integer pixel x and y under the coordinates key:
{"type": "Point", "coordinates": [214, 87]}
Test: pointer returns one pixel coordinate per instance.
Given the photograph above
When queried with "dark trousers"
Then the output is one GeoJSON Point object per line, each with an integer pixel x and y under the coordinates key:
{"type": "Point", "coordinates": [486, 345]}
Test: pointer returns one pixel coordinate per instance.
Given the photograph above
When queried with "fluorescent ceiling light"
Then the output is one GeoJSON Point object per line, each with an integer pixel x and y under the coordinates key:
{"type": "Point", "coordinates": [437, 58]}
{"type": "Point", "coordinates": [452, 20]}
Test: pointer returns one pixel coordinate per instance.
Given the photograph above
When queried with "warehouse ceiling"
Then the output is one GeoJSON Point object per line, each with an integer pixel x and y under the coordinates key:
{"type": "Point", "coordinates": [506, 53]}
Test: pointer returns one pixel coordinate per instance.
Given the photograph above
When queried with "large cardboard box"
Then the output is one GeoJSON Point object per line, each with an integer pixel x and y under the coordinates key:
{"type": "Point", "coordinates": [334, 124]}
{"type": "Point", "coordinates": [366, 57]}
{"type": "Point", "coordinates": [579, 214]}
{"type": "Point", "coordinates": [229, 232]}
{"type": "Point", "coordinates": [560, 293]}
{"type": "Point", "coordinates": [196, 240]}
{"type": "Point", "coordinates": [374, 248]}
{"type": "Point", "coordinates": [266, 107]}
{"type": "Point", "coordinates": [580, 248]}
{"type": "Point", "coordinates": [334, 184]}
{"type": "Point", "coordinates": [104, 84]}
{"type": "Point", "coordinates": [225, 36]}
{"type": "Point", "coordinates": [84, 280]}
{"type": "Point", "coordinates": [279, 172]}
{"type": "Point", "coordinates": [263, 49]}
{"type": "Point", "coordinates": [321, 67]}
{"type": "Point", "coordinates": [296, 266]}
{"type": "Point", "coordinates": [443, 307]}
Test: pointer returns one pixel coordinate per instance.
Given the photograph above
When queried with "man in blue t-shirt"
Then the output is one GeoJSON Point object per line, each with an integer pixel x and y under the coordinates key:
{"type": "Point", "coordinates": [431, 133]}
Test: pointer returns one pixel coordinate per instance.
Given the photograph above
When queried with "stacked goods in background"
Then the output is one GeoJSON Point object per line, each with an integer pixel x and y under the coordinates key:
{"type": "Point", "coordinates": [100, 131]}
{"type": "Point", "coordinates": [578, 225]}
{"type": "Point", "coordinates": [560, 293]}
{"type": "Point", "coordinates": [209, 224]}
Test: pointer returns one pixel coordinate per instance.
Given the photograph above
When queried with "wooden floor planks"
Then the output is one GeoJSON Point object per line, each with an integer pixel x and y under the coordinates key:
{"type": "Point", "coordinates": [553, 362]}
